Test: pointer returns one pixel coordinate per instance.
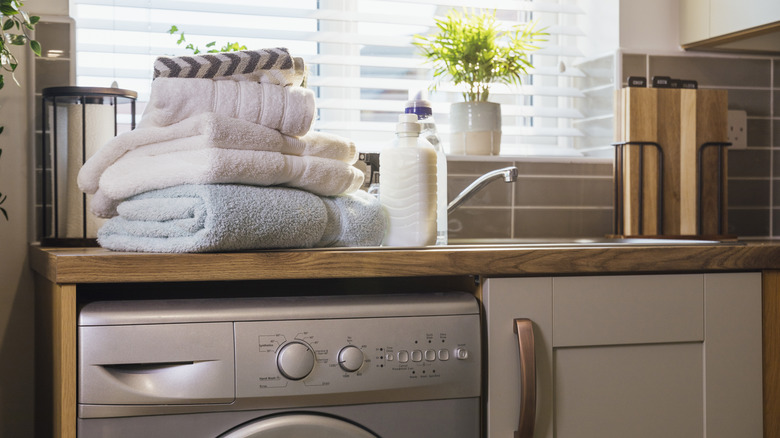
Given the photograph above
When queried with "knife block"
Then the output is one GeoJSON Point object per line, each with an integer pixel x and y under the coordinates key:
{"type": "Point", "coordinates": [679, 187]}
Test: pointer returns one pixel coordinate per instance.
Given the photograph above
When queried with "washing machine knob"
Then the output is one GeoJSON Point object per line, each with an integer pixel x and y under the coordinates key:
{"type": "Point", "coordinates": [350, 358]}
{"type": "Point", "coordinates": [295, 360]}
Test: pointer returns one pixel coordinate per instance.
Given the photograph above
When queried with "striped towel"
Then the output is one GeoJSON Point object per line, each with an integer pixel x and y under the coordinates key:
{"type": "Point", "coordinates": [274, 66]}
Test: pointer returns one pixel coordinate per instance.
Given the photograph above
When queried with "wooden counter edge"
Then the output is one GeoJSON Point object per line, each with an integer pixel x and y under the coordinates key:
{"type": "Point", "coordinates": [96, 265]}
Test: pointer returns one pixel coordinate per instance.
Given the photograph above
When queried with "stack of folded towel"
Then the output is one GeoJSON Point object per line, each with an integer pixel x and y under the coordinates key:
{"type": "Point", "coordinates": [224, 159]}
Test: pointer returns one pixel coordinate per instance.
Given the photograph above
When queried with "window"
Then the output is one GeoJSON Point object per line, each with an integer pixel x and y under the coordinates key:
{"type": "Point", "coordinates": [359, 54]}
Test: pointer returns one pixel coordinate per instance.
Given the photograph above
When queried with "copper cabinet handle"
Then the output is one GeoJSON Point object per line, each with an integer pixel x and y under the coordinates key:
{"type": "Point", "coordinates": [525, 341]}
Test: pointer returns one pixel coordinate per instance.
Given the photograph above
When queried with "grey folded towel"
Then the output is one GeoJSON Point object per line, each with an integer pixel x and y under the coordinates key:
{"type": "Point", "coordinates": [232, 217]}
{"type": "Point", "coordinates": [274, 66]}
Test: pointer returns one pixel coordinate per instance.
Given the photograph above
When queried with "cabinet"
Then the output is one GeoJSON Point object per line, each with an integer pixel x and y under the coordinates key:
{"type": "Point", "coordinates": [639, 356]}
{"type": "Point", "coordinates": [719, 23]}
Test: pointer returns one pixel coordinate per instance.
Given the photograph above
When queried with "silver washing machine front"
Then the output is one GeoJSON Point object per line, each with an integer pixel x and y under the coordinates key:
{"type": "Point", "coordinates": [392, 365]}
{"type": "Point", "coordinates": [303, 425]}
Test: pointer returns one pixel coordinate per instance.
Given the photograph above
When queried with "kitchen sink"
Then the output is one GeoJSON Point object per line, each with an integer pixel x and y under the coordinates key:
{"type": "Point", "coordinates": [576, 241]}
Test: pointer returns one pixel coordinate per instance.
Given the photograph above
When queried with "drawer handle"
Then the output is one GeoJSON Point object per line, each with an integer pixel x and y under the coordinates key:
{"type": "Point", "coordinates": [525, 341]}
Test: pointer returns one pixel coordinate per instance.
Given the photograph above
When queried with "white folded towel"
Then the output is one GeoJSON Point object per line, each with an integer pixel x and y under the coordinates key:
{"type": "Point", "coordinates": [211, 130]}
{"type": "Point", "coordinates": [274, 66]}
{"type": "Point", "coordinates": [289, 110]}
{"type": "Point", "coordinates": [132, 175]}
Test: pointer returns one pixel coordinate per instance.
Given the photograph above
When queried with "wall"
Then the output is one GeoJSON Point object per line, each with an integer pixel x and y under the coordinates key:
{"type": "Point", "coordinates": [16, 286]}
{"type": "Point", "coordinates": [753, 84]}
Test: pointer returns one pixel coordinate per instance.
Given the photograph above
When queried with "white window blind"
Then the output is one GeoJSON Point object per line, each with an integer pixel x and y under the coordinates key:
{"type": "Point", "coordinates": [361, 62]}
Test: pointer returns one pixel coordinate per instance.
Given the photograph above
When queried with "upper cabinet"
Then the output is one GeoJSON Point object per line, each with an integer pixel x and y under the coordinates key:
{"type": "Point", "coordinates": [725, 25]}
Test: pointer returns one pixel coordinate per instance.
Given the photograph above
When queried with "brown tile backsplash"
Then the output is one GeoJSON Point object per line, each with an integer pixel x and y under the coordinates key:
{"type": "Point", "coordinates": [490, 223]}
{"type": "Point", "coordinates": [559, 198]}
{"type": "Point", "coordinates": [755, 102]}
{"type": "Point", "coordinates": [549, 199]}
{"type": "Point", "coordinates": [562, 222]}
{"type": "Point", "coordinates": [714, 71]}
{"type": "Point", "coordinates": [759, 132]}
{"type": "Point", "coordinates": [556, 191]}
{"type": "Point", "coordinates": [748, 193]}
{"type": "Point", "coordinates": [633, 65]}
{"type": "Point", "coordinates": [747, 163]}
{"type": "Point", "coordinates": [749, 222]}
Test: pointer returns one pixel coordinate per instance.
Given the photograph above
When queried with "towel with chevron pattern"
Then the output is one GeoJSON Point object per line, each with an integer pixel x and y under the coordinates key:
{"type": "Point", "coordinates": [275, 66]}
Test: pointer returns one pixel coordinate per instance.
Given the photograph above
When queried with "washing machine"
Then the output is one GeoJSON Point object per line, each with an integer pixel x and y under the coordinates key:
{"type": "Point", "coordinates": [389, 365]}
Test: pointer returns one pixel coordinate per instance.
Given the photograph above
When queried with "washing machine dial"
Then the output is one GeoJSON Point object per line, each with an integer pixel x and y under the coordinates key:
{"type": "Point", "coordinates": [350, 358]}
{"type": "Point", "coordinates": [295, 360]}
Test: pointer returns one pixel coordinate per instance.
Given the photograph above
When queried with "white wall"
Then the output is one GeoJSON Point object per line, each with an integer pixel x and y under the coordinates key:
{"type": "Point", "coordinates": [649, 26]}
{"type": "Point", "coordinates": [16, 286]}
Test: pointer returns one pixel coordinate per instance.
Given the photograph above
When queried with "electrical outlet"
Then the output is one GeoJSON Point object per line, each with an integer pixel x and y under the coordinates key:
{"type": "Point", "coordinates": [737, 129]}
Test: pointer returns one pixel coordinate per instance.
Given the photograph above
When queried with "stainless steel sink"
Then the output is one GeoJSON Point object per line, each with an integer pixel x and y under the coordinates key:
{"type": "Point", "coordinates": [578, 242]}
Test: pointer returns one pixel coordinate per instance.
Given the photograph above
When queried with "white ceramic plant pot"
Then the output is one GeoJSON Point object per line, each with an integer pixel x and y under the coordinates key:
{"type": "Point", "coordinates": [475, 128]}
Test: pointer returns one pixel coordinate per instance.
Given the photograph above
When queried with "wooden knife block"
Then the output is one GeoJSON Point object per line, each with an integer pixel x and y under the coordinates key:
{"type": "Point", "coordinates": [680, 121]}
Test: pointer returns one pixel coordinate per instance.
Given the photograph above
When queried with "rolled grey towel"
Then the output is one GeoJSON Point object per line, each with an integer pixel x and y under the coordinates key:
{"type": "Point", "coordinates": [274, 66]}
{"type": "Point", "coordinates": [232, 217]}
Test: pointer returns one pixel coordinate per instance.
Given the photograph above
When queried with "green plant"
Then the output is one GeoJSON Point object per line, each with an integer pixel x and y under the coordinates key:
{"type": "Point", "coordinates": [472, 49]}
{"type": "Point", "coordinates": [13, 17]}
{"type": "Point", "coordinates": [228, 47]}
{"type": "Point", "coordinates": [14, 20]}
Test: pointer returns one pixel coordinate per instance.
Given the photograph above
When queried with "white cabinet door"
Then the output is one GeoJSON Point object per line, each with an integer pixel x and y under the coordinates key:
{"type": "Point", "coordinates": [728, 16]}
{"type": "Point", "coordinates": [639, 356]}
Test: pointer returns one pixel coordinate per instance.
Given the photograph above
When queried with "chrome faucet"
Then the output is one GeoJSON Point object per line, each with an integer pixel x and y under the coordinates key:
{"type": "Point", "coordinates": [508, 173]}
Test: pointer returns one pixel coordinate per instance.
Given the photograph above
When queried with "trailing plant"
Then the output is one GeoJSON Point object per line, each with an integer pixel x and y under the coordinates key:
{"type": "Point", "coordinates": [228, 47]}
{"type": "Point", "coordinates": [471, 48]}
{"type": "Point", "coordinates": [16, 25]}
{"type": "Point", "coordinates": [2, 196]}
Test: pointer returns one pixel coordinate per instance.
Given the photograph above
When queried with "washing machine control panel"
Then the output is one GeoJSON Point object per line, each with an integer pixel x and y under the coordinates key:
{"type": "Point", "coordinates": [430, 356]}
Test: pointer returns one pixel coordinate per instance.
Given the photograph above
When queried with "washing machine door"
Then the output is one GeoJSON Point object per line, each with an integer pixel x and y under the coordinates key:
{"type": "Point", "coordinates": [298, 425]}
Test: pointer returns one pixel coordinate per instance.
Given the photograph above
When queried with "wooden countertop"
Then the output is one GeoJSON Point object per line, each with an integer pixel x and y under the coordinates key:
{"type": "Point", "coordinates": [98, 265]}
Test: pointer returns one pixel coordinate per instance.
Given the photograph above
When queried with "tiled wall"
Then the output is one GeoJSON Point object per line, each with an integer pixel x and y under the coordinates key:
{"type": "Point", "coordinates": [753, 84]}
{"type": "Point", "coordinates": [551, 198]}
{"type": "Point", "coordinates": [556, 198]}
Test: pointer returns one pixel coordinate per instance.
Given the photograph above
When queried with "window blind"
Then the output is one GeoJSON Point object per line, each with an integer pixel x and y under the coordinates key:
{"type": "Point", "coordinates": [361, 62]}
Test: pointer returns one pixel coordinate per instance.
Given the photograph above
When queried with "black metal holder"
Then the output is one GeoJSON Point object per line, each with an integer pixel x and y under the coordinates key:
{"type": "Point", "coordinates": [700, 186]}
{"type": "Point", "coordinates": [619, 185]}
{"type": "Point", "coordinates": [50, 229]}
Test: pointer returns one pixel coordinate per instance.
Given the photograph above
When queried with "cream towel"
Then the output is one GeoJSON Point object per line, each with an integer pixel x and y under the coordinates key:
{"type": "Point", "coordinates": [133, 175]}
{"type": "Point", "coordinates": [289, 110]}
{"type": "Point", "coordinates": [211, 130]}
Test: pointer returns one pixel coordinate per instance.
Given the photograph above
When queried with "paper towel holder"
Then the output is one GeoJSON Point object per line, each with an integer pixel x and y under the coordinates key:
{"type": "Point", "coordinates": [85, 117]}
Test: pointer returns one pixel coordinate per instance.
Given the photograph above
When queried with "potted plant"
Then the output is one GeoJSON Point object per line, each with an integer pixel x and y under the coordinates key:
{"type": "Point", "coordinates": [471, 49]}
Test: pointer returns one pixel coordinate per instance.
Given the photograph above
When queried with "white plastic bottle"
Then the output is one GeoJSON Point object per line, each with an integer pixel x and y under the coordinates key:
{"type": "Point", "coordinates": [420, 106]}
{"type": "Point", "coordinates": [408, 186]}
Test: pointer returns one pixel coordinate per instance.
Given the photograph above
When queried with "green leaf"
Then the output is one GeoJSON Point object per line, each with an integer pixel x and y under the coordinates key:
{"type": "Point", "coordinates": [34, 19]}
{"type": "Point", "coordinates": [173, 30]}
{"type": "Point", "coordinates": [18, 40]}
{"type": "Point", "coordinates": [1, 131]}
{"type": "Point", "coordinates": [7, 10]}
{"type": "Point", "coordinates": [35, 46]}
{"type": "Point", "coordinates": [2, 82]}
{"type": "Point", "coordinates": [211, 44]}
{"type": "Point", "coordinates": [2, 210]}
{"type": "Point", "coordinates": [8, 24]}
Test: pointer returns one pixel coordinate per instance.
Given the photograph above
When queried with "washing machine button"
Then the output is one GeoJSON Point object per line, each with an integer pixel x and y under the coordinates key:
{"type": "Point", "coordinates": [295, 360]}
{"type": "Point", "coordinates": [461, 353]}
{"type": "Point", "coordinates": [403, 356]}
{"type": "Point", "coordinates": [444, 354]}
{"type": "Point", "coordinates": [350, 358]}
{"type": "Point", "coordinates": [430, 355]}
{"type": "Point", "coordinates": [416, 356]}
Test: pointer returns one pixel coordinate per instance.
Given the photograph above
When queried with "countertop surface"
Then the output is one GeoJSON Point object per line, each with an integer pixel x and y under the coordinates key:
{"type": "Point", "coordinates": [98, 265]}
